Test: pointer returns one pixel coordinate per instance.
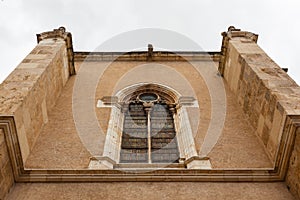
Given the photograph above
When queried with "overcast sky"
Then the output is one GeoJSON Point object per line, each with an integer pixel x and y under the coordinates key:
{"type": "Point", "coordinates": [94, 22]}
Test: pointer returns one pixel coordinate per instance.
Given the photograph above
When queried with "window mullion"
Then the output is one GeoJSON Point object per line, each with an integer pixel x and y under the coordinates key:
{"type": "Point", "coordinates": [149, 135]}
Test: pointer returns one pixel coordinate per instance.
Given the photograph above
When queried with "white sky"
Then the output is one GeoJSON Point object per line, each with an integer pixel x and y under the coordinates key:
{"type": "Point", "coordinates": [94, 22]}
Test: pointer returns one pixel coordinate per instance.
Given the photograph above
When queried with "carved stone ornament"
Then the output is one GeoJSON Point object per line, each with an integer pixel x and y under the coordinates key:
{"type": "Point", "coordinates": [231, 33]}
{"type": "Point", "coordinates": [67, 37]}
{"type": "Point", "coordinates": [234, 32]}
{"type": "Point", "coordinates": [56, 33]}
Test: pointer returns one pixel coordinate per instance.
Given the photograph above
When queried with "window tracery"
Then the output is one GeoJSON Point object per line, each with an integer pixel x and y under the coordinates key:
{"type": "Point", "coordinates": [149, 134]}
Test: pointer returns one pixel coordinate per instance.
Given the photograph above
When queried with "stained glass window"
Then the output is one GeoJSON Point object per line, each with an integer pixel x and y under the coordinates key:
{"type": "Point", "coordinates": [144, 142]}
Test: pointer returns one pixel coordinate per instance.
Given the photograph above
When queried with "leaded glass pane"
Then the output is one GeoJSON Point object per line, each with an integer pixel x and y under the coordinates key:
{"type": "Point", "coordinates": [134, 145]}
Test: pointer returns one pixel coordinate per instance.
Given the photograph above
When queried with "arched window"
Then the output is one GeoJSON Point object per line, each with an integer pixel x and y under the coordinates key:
{"type": "Point", "coordinates": [148, 125]}
{"type": "Point", "coordinates": [148, 134]}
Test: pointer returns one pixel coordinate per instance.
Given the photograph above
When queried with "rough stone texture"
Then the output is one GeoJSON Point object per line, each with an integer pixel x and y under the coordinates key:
{"type": "Point", "coordinates": [238, 146]}
{"type": "Point", "coordinates": [181, 76]}
{"type": "Point", "coordinates": [59, 145]}
{"type": "Point", "coordinates": [293, 175]}
{"type": "Point", "coordinates": [259, 96]}
{"type": "Point", "coordinates": [237, 134]}
{"type": "Point", "coordinates": [265, 92]}
{"type": "Point", "coordinates": [31, 90]}
{"type": "Point", "coordinates": [267, 95]}
{"type": "Point", "coordinates": [6, 174]}
{"type": "Point", "coordinates": [154, 190]}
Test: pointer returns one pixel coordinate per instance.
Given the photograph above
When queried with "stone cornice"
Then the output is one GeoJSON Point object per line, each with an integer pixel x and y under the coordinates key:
{"type": "Point", "coordinates": [56, 33]}
{"type": "Point", "coordinates": [144, 56]}
{"type": "Point", "coordinates": [67, 37]}
{"type": "Point", "coordinates": [231, 34]}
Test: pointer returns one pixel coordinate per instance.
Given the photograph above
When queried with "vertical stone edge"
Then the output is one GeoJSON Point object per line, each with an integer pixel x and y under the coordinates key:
{"type": "Point", "coordinates": [35, 84]}
{"type": "Point", "coordinates": [261, 86]}
{"type": "Point", "coordinates": [11, 163]}
{"type": "Point", "coordinates": [270, 99]}
{"type": "Point", "coordinates": [292, 177]}
{"type": "Point", "coordinates": [6, 174]}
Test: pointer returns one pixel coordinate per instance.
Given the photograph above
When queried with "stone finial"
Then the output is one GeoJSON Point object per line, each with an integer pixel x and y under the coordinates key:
{"type": "Point", "coordinates": [232, 28]}
{"type": "Point", "coordinates": [231, 33]}
{"type": "Point", "coordinates": [67, 37]}
{"type": "Point", "coordinates": [150, 52]}
{"type": "Point", "coordinates": [234, 32]}
{"type": "Point", "coordinates": [56, 33]}
{"type": "Point", "coordinates": [150, 47]}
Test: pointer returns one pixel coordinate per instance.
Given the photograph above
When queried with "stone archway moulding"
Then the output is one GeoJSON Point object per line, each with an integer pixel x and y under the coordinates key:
{"type": "Point", "coordinates": [186, 144]}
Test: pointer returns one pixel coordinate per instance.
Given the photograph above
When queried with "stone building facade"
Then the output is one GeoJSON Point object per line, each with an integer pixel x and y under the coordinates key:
{"type": "Point", "coordinates": [149, 124]}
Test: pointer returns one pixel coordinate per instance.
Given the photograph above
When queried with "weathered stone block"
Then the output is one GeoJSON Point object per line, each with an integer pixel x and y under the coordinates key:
{"type": "Point", "coordinates": [6, 176]}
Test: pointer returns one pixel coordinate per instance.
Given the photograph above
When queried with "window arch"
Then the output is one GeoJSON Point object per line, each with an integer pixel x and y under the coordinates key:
{"type": "Point", "coordinates": [151, 146]}
{"type": "Point", "coordinates": [148, 134]}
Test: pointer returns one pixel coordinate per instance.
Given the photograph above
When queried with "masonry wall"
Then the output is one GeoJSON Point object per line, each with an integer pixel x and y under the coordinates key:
{"type": "Point", "coordinates": [151, 191]}
{"type": "Point", "coordinates": [6, 174]}
{"type": "Point", "coordinates": [262, 89]}
{"type": "Point", "coordinates": [31, 90]}
{"type": "Point", "coordinates": [64, 149]}
{"type": "Point", "coordinates": [268, 96]}
{"type": "Point", "coordinates": [293, 174]}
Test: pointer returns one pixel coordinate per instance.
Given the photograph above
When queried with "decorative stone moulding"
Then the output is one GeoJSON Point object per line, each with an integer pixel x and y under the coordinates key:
{"type": "Point", "coordinates": [231, 34]}
{"type": "Point", "coordinates": [178, 105]}
{"type": "Point", "coordinates": [197, 162]}
{"type": "Point", "coordinates": [101, 162]}
{"type": "Point", "coordinates": [61, 33]}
